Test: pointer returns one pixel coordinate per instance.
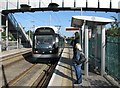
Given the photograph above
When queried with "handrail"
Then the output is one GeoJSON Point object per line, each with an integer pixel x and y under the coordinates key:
{"type": "Point", "coordinates": [18, 27]}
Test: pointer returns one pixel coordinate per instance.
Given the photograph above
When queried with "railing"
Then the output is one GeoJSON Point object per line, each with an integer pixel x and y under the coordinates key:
{"type": "Point", "coordinates": [13, 21]}
{"type": "Point", "coordinates": [26, 36]}
{"type": "Point", "coordinates": [19, 27]}
{"type": "Point", "coordinates": [11, 44]}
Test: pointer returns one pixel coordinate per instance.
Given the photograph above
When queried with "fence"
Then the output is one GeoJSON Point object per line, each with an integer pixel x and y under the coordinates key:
{"type": "Point", "coordinates": [113, 56]}
{"type": "Point", "coordinates": [95, 52]}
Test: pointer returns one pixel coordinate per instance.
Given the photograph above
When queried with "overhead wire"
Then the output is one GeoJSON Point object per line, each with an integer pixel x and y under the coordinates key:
{"type": "Point", "coordinates": [35, 17]}
{"type": "Point", "coordinates": [22, 17]}
{"type": "Point", "coordinates": [52, 14]}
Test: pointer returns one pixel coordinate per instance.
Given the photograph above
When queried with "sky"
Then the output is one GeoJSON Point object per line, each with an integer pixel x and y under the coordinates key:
{"type": "Point", "coordinates": [63, 19]}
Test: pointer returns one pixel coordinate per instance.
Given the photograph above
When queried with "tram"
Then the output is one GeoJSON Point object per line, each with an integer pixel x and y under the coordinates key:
{"type": "Point", "coordinates": [47, 43]}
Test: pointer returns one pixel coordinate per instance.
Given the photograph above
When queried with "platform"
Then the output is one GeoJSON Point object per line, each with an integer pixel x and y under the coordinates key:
{"type": "Point", "coordinates": [13, 52]}
{"type": "Point", "coordinates": [64, 75]}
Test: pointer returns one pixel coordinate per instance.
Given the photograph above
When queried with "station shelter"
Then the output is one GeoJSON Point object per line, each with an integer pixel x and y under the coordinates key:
{"type": "Point", "coordinates": [89, 26]}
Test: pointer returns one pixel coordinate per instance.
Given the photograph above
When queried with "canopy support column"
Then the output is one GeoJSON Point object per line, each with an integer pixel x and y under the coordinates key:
{"type": "Point", "coordinates": [86, 51]}
{"type": "Point", "coordinates": [102, 50]}
{"type": "Point", "coordinates": [83, 28]}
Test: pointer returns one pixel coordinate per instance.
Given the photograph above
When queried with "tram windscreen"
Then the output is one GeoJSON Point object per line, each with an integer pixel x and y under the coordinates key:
{"type": "Point", "coordinates": [43, 41]}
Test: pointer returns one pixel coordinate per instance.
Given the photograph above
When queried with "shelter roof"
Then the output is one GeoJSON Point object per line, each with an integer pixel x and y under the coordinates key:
{"type": "Point", "coordinates": [77, 21]}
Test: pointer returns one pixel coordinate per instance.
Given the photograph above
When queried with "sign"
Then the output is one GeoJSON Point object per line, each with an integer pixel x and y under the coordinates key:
{"type": "Point", "coordinates": [44, 30]}
{"type": "Point", "coordinates": [72, 28]}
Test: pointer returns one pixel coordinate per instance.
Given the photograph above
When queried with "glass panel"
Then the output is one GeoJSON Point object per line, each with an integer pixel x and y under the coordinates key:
{"type": "Point", "coordinates": [43, 41]}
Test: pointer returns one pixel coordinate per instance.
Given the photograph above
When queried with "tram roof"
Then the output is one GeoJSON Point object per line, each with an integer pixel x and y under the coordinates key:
{"type": "Point", "coordinates": [53, 27]}
{"type": "Point", "coordinates": [79, 20]}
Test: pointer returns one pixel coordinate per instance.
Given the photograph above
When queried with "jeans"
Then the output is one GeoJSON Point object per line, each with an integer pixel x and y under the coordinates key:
{"type": "Point", "coordinates": [78, 67]}
{"type": "Point", "coordinates": [78, 73]}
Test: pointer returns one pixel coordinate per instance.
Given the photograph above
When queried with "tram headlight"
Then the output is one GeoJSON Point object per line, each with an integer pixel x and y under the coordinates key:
{"type": "Point", "coordinates": [36, 51]}
{"type": "Point", "coordinates": [53, 42]}
{"type": "Point", "coordinates": [57, 39]}
{"type": "Point", "coordinates": [50, 46]}
{"type": "Point", "coordinates": [50, 51]}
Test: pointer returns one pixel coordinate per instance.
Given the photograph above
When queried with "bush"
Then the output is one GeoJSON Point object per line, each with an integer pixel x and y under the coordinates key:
{"type": "Point", "coordinates": [115, 29]}
{"type": "Point", "coordinates": [113, 32]}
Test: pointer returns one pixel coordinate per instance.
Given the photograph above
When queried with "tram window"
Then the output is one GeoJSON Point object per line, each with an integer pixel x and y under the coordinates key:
{"type": "Point", "coordinates": [41, 40]}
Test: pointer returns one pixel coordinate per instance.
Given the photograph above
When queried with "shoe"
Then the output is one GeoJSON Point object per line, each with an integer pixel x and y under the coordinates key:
{"type": "Point", "coordinates": [76, 82]}
{"type": "Point", "coordinates": [80, 82]}
{"type": "Point", "coordinates": [78, 85]}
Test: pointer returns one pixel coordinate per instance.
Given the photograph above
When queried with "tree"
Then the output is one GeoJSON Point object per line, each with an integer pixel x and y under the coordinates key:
{"type": "Point", "coordinates": [9, 34]}
{"type": "Point", "coordinates": [115, 29]}
{"type": "Point", "coordinates": [115, 25]}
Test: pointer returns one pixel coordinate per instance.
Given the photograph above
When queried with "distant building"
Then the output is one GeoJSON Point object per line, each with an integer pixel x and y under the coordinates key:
{"type": "Point", "coordinates": [119, 13]}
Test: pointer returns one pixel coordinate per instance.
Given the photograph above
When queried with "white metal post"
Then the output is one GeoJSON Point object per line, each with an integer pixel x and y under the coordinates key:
{"type": "Point", "coordinates": [28, 2]}
{"type": "Point", "coordinates": [0, 33]}
{"type": "Point", "coordinates": [29, 34]}
{"type": "Point", "coordinates": [17, 38]}
{"type": "Point", "coordinates": [86, 51]}
{"type": "Point", "coordinates": [81, 11]}
{"type": "Point", "coordinates": [102, 50]}
{"type": "Point", "coordinates": [20, 41]}
{"type": "Point", "coordinates": [83, 28]}
{"type": "Point", "coordinates": [80, 39]}
{"type": "Point", "coordinates": [17, 4]}
{"type": "Point", "coordinates": [0, 45]}
{"type": "Point", "coordinates": [6, 33]}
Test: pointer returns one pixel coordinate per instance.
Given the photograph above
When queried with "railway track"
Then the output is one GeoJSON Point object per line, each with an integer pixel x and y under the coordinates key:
{"type": "Point", "coordinates": [16, 71]}
{"type": "Point", "coordinates": [13, 58]}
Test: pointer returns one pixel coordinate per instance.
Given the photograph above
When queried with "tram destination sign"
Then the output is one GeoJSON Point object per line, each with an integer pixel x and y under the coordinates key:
{"type": "Point", "coordinates": [44, 31]}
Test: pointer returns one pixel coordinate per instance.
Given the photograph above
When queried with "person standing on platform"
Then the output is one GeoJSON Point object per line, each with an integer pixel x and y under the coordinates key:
{"type": "Point", "coordinates": [76, 57]}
